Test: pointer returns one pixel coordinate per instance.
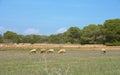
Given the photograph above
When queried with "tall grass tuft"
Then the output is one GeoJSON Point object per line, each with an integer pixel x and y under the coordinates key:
{"type": "Point", "coordinates": [61, 70]}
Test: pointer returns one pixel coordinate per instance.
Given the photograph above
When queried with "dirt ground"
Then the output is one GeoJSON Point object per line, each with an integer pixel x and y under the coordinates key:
{"type": "Point", "coordinates": [58, 46]}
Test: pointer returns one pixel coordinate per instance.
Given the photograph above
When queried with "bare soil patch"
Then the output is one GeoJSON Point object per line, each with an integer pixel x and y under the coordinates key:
{"type": "Point", "coordinates": [58, 46]}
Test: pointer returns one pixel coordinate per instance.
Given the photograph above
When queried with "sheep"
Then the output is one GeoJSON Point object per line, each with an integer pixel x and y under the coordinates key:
{"type": "Point", "coordinates": [43, 50]}
{"type": "Point", "coordinates": [103, 50]}
{"type": "Point", "coordinates": [50, 51]}
{"type": "Point", "coordinates": [62, 51]}
{"type": "Point", "coordinates": [32, 51]}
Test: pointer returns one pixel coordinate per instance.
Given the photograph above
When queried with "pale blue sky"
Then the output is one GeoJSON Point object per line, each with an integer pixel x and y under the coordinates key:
{"type": "Point", "coordinates": [54, 16]}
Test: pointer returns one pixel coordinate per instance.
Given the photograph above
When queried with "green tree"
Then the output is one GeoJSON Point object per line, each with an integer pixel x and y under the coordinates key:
{"type": "Point", "coordinates": [57, 38]}
{"type": "Point", "coordinates": [34, 39]}
{"type": "Point", "coordinates": [43, 39]}
{"type": "Point", "coordinates": [10, 37]}
{"type": "Point", "coordinates": [1, 38]}
{"type": "Point", "coordinates": [72, 35]}
{"type": "Point", "coordinates": [54, 39]}
{"type": "Point", "coordinates": [112, 29]}
{"type": "Point", "coordinates": [29, 39]}
{"type": "Point", "coordinates": [61, 37]}
{"type": "Point", "coordinates": [100, 34]}
{"type": "Point", "coordinates": [89, 34]}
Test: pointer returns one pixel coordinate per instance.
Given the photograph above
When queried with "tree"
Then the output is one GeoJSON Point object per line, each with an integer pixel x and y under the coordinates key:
{"type": "Point", "coordinates": [29, 39]}
{"type": "Point", "coordinates": [112, 30]}
{"type": "Point", "coordinates": [35, 39]}
{"type": "Point", "coordinates": [100, 34]}
{"type": "Point", "coordinates": [20, 39]}
{"type": "Point", "coordinates": [43, 39]}
{"type": "Point", "coordinates": [89, 34]}
{"type": "Point", "coordinates": [10, 37]}
{"type": "Point", "coordinates": [54, 39]}
{"type": "Point", "coordinates": [1, 38]}
{"type": "Point", "coordinates": [61, 37]}
{"type": "Point", "coordinates": [72, 35]}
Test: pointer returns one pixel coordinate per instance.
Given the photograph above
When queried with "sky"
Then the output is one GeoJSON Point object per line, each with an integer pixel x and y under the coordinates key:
{"type": "Point", "coordinates": [46, 17]}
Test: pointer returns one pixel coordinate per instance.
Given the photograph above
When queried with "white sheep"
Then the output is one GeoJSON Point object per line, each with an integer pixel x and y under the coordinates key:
{"type": "Point", "coordinates": [50, 51]}
{"type": "Point", "coordinates": [62, 51]}
{"type": "Point", "coordinates": [32, 51]}
{"type": "Point", "coordinates": [43, 50]}
{"type": "Point", "coordinates": [103, 50]}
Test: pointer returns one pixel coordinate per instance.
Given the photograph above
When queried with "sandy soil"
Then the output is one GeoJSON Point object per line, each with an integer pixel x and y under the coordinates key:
{"type": "Point", "coordinates": [58, 46]}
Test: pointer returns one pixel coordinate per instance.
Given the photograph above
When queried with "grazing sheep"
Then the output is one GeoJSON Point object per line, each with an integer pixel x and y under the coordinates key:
{"type": "Point", "coordinates": [32, 51]}
{"type": "Point", "coordinates": [43, 51]}
{"type": "Point", "coordinates": [50, 51]}
{"type": "Point", "coordinates": [103, 50]}
{"type": "Point", "coordinates": [62, 51]}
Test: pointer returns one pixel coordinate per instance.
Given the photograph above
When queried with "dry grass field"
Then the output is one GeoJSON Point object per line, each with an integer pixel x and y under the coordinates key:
{"type": "Point", "coordinates": [15, 60]}
{"type": "Point", "coordinates": [57, 46]}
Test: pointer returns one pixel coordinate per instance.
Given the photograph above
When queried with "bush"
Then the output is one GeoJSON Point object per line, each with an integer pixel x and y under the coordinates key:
{"type": "Point", "coordinates": [113, 44]}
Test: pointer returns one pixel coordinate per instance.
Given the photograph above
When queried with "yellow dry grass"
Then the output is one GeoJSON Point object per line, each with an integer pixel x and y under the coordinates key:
{"type": "Point", "coordinates": [58, 46]}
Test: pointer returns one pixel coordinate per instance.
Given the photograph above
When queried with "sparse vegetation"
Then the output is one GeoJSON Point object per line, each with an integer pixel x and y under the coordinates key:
{"type": "Point", "coordinates": [74, 62]}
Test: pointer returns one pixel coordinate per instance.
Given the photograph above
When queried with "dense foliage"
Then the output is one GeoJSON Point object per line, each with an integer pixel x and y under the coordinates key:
{"type": "Point", "coordinates": [112, 31]}
{"type": "Point", "coordinates": [108, 33]}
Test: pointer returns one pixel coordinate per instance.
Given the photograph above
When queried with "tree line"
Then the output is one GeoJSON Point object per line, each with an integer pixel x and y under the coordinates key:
{"type": "Point", "coordinates": [107, 33]}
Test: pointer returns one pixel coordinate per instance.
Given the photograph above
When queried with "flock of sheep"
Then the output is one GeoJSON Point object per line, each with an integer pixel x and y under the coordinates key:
{"type": "Point", "coordinates": [47, 51]}
{"type": "Point", "coordinates": [103, 50]}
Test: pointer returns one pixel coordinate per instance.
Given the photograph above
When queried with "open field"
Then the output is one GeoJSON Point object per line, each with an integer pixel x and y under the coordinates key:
{"type": "Point", "coordinates": [73, 62]}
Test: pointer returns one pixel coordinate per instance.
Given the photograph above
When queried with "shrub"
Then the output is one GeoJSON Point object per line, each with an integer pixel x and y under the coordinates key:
{"type": "Point", "coordinates": [113, 44]}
